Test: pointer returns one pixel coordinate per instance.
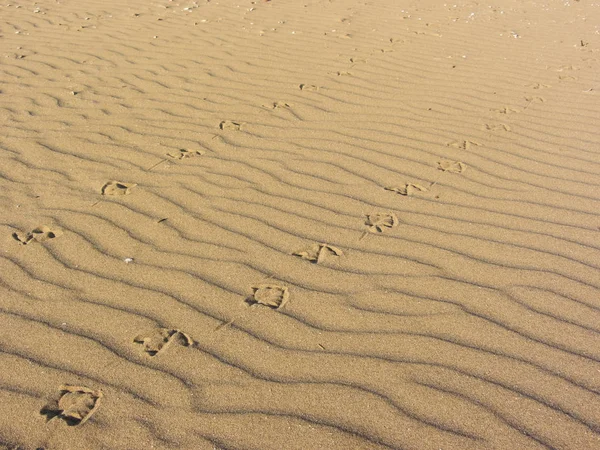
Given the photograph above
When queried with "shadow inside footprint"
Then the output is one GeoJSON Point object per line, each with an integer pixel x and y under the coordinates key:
{"type": "Point", "coordinates": [75, 405]}
{"type": "Point", "coordinates": [159, 339]}
{"type": "Point", "coordinates": [39, 234]}
{"type": "Point", "coordinates": [272, 295]}
{"type": "Point", "coordinates": [117, 188]}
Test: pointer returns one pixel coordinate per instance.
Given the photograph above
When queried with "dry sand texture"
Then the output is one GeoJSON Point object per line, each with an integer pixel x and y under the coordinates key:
{"type": "Point", "coordinates": [300, 224]}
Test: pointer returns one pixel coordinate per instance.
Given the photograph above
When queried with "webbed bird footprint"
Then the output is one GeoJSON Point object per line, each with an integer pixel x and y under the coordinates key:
{"type": "Point", "coordinates": [75, 405]}
{"type": "Point", "coordinates": [539, 86]}
{"type": "Point", "coordinates": [465, 144]}
{"type": "Point", "coordinates": [408, 189]}
{"type": "Point", "coordinates": [117, 188]}
{"type": "Point", "coordinates": [272, 295]}
{"type": "Point", "coordinates": [379, 222]}
{"type": "Point", "coordinates": [317, 253]}
{"type": "Point", "coordinates": [276, 105]}
{"type": "Point", "coordinates": [538, 99]}
{"type": "Point", "coordinates": [497, 126]}
{"type": "Point", "coordinates": [309, 87]}
{"type": "Point", "coordinates": [506, 110]}
{"type": "Point", "coordinates": [452, 166]}
{"type": "Point", "coordinates": [229, 125]}
{"type": "Point", "coordinates": [182, 153]}
{"type": "Point", "coordinates": [159, 339]}
{"type": "Point", "coordinates": [39, 234]}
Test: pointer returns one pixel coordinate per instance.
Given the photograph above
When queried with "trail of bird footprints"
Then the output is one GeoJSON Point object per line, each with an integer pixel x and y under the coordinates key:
{"type": "Point", "coordinates": [75, 405]}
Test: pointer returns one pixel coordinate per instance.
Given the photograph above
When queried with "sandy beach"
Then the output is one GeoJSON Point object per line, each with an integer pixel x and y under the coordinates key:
{"type": "Point", "coordinates": [299, 225]}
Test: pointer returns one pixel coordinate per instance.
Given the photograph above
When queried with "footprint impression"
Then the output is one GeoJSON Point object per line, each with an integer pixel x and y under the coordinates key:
{"type": "Point", "coordinates": [465, 144]}
{"type": "Point", "coordinates": [408, 189]}
{"type": "Point", "coordinates": [505, 110]}
{"type": "Point", "coordinates": [39, 234]}
{"type": "Point", "coordinates": [497, 127]}
{"type": "Point", "coordinates": [317, 253]}
{"type": "Point", "coordinates": [229, 125]}
{"type": "Point", "coordinates": [274, 296]}
{"type": "Point", "coordinates": [452, 166]}
{"type": "Point", "coordinates": [182, 153]}
{"type": "Point", "coordinates": [159, 339]}
{"type": "Point", "coordinates": [117, 188]}
{"type": "Point", "coordinates": [278, 105]}
{"type": "Point", "coordinates": [75, 405]}
{"type": "Point", "coordinates": [379, 222]}
{"type": "Point", "coordinates": [539, 86]}
{"type": "Point", "coordinates": [308, 87]}
{"type": "Point", "coordinates": [534, 99]}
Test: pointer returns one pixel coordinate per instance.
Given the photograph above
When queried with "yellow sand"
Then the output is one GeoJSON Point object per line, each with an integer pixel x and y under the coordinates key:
{"type": "Point", "coordinates": [335, 224]}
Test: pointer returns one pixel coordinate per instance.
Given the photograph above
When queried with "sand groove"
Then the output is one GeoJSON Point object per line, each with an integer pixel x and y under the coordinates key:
{"type": "Point", "coordinates": [299, 225]}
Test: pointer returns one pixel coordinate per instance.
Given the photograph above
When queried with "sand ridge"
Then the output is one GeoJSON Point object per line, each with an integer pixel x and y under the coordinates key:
{"type": "Point", "coordinates": [299, 225]}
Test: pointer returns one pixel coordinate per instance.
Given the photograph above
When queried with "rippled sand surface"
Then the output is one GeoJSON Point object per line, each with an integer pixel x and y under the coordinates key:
{"type": "Point", "coordinates": [299, 225]}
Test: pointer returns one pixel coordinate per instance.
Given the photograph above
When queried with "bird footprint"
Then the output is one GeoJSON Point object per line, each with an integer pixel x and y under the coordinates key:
{"type": "Point", "coordinates": [317, 253]}
{"type": "Point", "coordinates": [184, 154]}
{"type": "Point", "coordinates": [408, 189]}
{"type": "Point", "coordinates": [308, 87]}
{"type": "Point", "coordinates": [465, 145]}
{"type": "Point", "coordinates": [39, 234]}
{"type": "Point", "coordinates": [117, 188]}
{"type": "Point", "coordinates": [379, 222]}
{"type": "Point", "coordinates": [75, 405]}
{"type": "Point", "coordinates": [156, 340]}
{"type": "Point", "coordinates": [271, 295]}
{"type": "Point", "coordinates": [229, 125]}
{"type": "Point", "coordinates": [452, 166]}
